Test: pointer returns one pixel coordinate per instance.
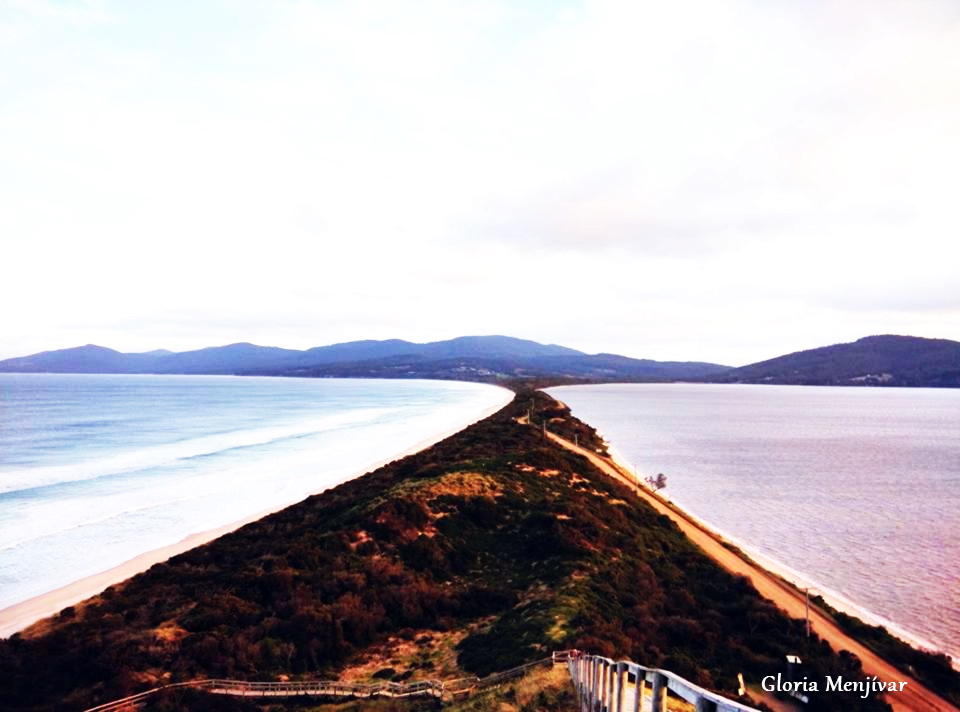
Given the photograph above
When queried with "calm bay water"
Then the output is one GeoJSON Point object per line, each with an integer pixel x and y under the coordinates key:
{"type": "Point", "coordinates": [854, 490]}
{"type": "Point", "coordinates": [96, 469]}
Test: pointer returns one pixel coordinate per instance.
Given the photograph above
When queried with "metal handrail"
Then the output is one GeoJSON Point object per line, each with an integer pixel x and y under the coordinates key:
{"type": "Point", "coordinates": [599, 681]}
{"type": "Point", "coordinates": [245, 688]}
{"type": "Point", "coordinates": [602, 685]}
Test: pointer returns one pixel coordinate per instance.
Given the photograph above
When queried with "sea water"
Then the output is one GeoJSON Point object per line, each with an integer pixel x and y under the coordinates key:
{"type": "Point", "coordinates": [855, 491]}
{"type": "Point", "coordinates": [97, 469]}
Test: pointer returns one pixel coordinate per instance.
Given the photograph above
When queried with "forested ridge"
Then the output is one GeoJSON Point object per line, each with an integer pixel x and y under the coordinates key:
{"type": "Point", "coordinates": [495, 538]}
{"type": "Point", "coordinates": [871, 361]}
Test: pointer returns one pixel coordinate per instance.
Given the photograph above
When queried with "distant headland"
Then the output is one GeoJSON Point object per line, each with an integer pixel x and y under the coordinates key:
{"type": "Point", "coordinates": [871, 361]}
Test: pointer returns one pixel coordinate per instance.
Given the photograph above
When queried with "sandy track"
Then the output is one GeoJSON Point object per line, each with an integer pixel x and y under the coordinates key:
{"type": "Point", "coordinates": [915, 697]}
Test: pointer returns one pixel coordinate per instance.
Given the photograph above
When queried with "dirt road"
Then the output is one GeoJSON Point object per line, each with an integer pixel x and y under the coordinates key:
{"type": "Point", "coordinates": [914, 697]}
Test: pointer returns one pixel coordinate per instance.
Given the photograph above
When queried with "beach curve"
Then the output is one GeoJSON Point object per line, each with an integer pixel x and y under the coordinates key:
{"type": "Point", "coordinates": [915, 697]}
{"type": "Point", "coordinates": [26, 616]}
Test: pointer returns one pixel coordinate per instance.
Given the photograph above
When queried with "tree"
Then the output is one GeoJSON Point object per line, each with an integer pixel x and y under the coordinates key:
{"type": "Point", "coordinates": [658, 482]}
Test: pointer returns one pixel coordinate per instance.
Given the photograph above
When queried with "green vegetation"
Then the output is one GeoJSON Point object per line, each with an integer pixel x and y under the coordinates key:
{"type": "Point", "coordinates": [544, 411]}
{"type": "Point", "coordinates": [490, 549]}
{"type": "Point", "coordinates": [468, 358]}
{"type": "Point", "coordinates": [192, 701]}
{"type": "Point", "coordinates": [871, 361]}
{"type": "Point", "coordinates": [932, 669]}
{"type": "Point", "coordinates": [540, 690]}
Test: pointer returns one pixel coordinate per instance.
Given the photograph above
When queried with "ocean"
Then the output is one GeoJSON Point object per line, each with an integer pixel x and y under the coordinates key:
{"type": "Point", "coordinates": [853, 491]}
{"type": "Point", "coordinates": [97, 469]}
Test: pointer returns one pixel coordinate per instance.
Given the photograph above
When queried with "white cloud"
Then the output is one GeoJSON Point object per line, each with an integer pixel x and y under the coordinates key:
{"type": "Point", "coordinates": [683, 180]}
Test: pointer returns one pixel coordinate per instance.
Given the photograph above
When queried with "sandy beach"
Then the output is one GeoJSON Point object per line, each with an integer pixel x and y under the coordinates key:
{"type": "Point", "coordinates": [20, 616]}
{"type": "Point", "coordinates": [833, 599]}
{"type": "Point", "coordinates": [915, 697]}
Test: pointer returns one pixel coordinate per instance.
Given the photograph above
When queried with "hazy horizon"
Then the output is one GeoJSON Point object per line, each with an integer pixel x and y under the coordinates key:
{"type": "Point", "coordinates": [208, 346]}
{"type": "Point", "coordinates": [711, 181]}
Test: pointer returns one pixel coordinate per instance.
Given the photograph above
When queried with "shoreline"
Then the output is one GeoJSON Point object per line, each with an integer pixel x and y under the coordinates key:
{"type": "Point", "coordinates": [800, 580]}
{"type": "Point", "coordinates": [772, 587]}
{"type": "Point", "coordinates": [21, 616]}
{"type": "Point", "coordinates": [797, 579]}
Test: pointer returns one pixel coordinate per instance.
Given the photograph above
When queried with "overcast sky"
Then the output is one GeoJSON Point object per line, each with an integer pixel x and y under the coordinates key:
{"type": "Point", "coordinates": [699, 180]}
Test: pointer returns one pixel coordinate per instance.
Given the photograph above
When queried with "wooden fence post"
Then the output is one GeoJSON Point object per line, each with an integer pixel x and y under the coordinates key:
{"type": "Point", "coordinates": [658, 698]}
{"type": "Point", "coordinates": [621, 672]}
{"type": "Point", "coordinates": [705, 705]}
{"type": "Point", "coordinates": [640, 677]}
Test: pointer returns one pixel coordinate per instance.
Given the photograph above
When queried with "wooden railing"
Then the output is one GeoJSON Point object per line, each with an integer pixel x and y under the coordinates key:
{"type": "Point", "coordinates": [606, 685]}
{"type": "Point", "coordinates": [603, 685]}
{"type": "Point", "coordinates": [450, 689]}
{"type": "Point", "coordinates": [317, 688]}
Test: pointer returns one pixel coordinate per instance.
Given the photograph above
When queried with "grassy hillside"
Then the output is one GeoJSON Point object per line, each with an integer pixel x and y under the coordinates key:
{"type": "Point", "coordinates": [490, 549]}
{"type": "Point", "coordinates": [543, 689]}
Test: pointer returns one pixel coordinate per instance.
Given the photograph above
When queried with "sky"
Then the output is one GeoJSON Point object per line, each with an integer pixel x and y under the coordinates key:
{"type": "Point", "coordinates": [711, 180]}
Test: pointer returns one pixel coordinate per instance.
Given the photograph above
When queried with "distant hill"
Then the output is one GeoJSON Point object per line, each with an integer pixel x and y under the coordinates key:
{"type": "Point", "coordinates": [601, 367]}
{"type": "Point", "coordinates": [355, 351]}
{"type": "Point", "coordinates": [473, 358]}
{"type": "Point", "coordinates": [224, 359]}
{"type": "Point", "coordinates": [871, 361]}
{"type": "Point", "coordinates": [83, 359]}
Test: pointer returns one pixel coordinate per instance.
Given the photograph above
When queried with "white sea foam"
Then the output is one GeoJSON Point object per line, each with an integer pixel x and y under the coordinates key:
{"type": "Point", "coordinates": [105, 502]}
{"type": "Point", "coordinates": [14, 480]}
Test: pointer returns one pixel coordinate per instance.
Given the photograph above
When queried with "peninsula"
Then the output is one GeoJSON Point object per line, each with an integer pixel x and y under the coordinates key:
{"type": "Point", "coordinates": [487, 550]}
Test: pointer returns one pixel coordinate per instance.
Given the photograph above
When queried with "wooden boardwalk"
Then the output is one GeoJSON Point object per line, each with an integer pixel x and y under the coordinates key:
{"type": "Point", "coordinates": [603, 685]}
{"type": "Point", "coordinates": [449, 689]}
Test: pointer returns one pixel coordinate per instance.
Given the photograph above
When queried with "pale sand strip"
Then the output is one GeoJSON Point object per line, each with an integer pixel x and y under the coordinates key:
{"type": "Point", "coordinates": [21, 615]}
{"type": "Point", "coordinates": [915, 697]}
{"type": "Point", "coordinates": [833, 598]}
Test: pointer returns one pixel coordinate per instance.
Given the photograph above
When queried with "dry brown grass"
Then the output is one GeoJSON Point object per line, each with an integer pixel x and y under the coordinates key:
{"type": "Point", "coordinates": [547, 689]}
{"type": "Point", "coordinates": [169, 632]}
{"type": "Point", "coordinates": [425, 654]}
{"type": "Point", "coordinates": [463, 484]}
